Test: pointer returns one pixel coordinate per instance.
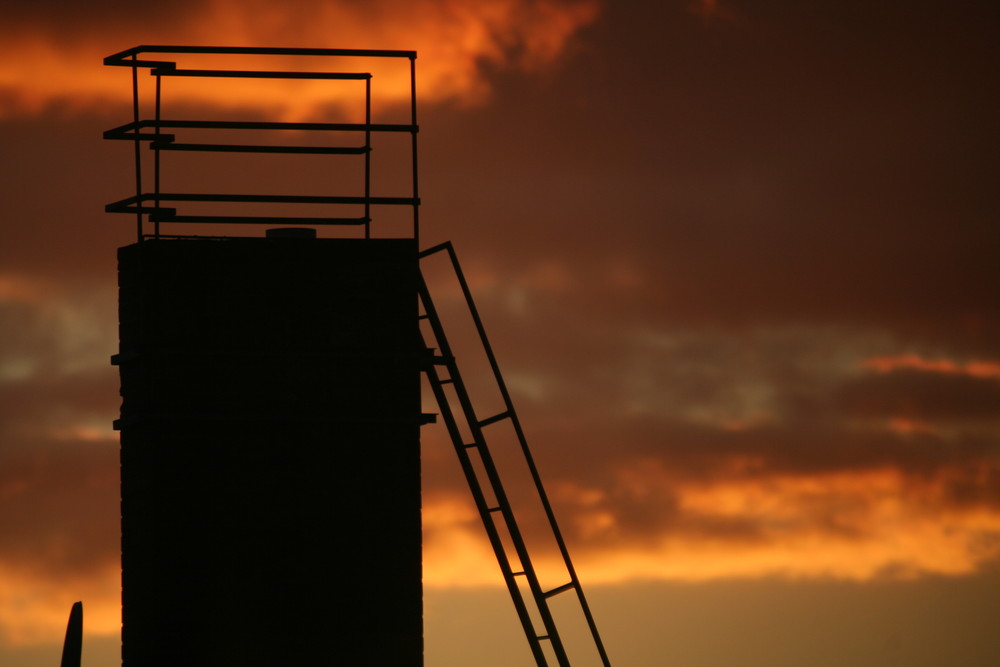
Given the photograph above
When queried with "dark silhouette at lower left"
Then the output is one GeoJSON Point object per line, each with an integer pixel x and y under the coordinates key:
{"type": "Point", "coordinates": [73, 646]}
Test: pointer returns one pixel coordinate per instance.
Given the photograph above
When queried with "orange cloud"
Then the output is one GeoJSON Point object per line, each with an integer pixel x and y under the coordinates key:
{"type": "Point", "coordinates": [58, 536]}
{"type": "Point", "coordinates": [34, 608]}
{"type": "Point", "coordinates": [855, 525]}
{"type": "Point", "coordinates": [456, 552]}
{"type": "Point", "coordinates": [842, 525]}
{"type": "Point", "coordinates": [845, 525]}
{"type": "Point", "coordinates": [454, 41]}
{"type": "Point", "coordinates": [975, 368]}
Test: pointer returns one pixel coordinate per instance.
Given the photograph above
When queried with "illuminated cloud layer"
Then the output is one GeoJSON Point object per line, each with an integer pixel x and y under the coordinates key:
{"type": "Point", "coordinates": [699, 465]}
{"type": "Point", "coordinates": [694, 463]}
{"type": "Point", "coordinates": [857, 526]}
{"type": "Point", "coordinates": [456, 41]}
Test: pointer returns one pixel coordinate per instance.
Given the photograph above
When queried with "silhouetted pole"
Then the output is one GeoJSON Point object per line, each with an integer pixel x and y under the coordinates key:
{"type": "Point", "coordinates": [73, 646]}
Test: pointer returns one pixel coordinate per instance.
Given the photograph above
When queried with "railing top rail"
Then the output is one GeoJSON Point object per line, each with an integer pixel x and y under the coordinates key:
{"type": "Point", "coordinates": [129, 57]}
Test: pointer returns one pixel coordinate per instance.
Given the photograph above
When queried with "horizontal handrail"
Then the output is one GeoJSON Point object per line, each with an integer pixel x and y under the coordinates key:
{"type": "Point", "coordinates": [168, 215]}
{"type": "Point", "coordinates": [167, 143]}
{"type": "Point", "coordinates": [127, 205]}
{"type": "Point", "coordinates": [170, 69]}
{"type": "Point", "coordinates": [129, 57]}
{"type": "Point", "coordinates": [127, 131]}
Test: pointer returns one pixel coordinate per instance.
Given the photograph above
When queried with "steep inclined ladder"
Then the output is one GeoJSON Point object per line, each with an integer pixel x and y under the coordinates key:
{"type": "Point", "coordinates": [487, 489]}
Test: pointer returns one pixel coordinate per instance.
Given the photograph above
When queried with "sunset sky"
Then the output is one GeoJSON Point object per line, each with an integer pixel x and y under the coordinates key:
{"type": "Point", "coordinates": [738, 261]}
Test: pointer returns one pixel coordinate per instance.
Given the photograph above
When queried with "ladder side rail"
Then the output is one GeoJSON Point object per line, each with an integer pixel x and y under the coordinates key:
{"type": "Point", "coordinates": [541, 600]}
{"type": "Point", "coordinates": [472, 477]}
{"type": "Point", "coordinates": [507, 511]}
{"type": "Point", "coordinates": [482, 506]}
{"type": "Point", "coordinates": [520, 547]}
{"type": "Point", "coordinates": [522, 440]}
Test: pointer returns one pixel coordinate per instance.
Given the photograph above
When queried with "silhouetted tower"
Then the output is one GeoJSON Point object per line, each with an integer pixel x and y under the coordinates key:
{"type": "Point", "coordinates": [271, 382]}
{"type": "Point", "coordinates": [271, 400]}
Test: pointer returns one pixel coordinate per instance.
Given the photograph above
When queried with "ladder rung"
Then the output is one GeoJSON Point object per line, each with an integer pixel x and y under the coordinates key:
{"type": "Point", "coordinates": [446, 380]}
{"type": "Point", "coordinates": [494, 509]}
{"type": "Point", "coordinates": [559, 589]}
{"type": "Point", "coordinates": [518, 574]}
{"type": "Point", "coordinates": [495, 418]}
{"type": "Point", "coordinates": [471, 445]}
{"type": "Point", "coordinates": [542, 637]}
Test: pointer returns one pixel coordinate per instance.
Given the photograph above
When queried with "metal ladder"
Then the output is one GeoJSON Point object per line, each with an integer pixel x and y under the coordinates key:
{"type": "Point", "coordinates": [495, 508]}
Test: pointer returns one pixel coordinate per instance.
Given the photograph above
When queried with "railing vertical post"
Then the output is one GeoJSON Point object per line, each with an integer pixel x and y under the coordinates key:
{"type": "Point", "coordinates": [138, 147]}
{"type": "Point", "coordinates": [368, 156]}
{"type": "Point", "coordinates": [413, 146]}
{"type": "Point", "coordinates": [156, 165]}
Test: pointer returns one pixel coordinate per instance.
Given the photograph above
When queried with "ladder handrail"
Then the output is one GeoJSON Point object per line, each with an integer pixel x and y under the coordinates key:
{"type": "Point", "coordinates": [574, 583]}
{"type": "Point", "coordinates": [470, 474]}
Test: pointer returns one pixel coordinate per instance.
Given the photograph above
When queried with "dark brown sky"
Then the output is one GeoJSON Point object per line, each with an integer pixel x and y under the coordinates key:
{"type": "Point", "coordinates": [738, 261]}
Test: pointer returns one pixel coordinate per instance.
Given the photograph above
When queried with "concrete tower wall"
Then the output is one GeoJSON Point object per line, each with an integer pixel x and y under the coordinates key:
{"type": "Point", "coordinates": [270, 452]}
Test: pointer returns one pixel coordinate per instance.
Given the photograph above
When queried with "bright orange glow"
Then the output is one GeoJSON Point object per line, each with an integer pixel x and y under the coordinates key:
{"type": "Point", "coordinates": [855, 525]}
{"type": "Point", "coordinates": [976, 368]}
{"type": "Point", "coordinates": [848, 525]}
{"type": "Point", "coordinates": [456, 552]}
{"type": "Point", "coordinates": [35, 606]}
{"type": "Point", "coordinates": [845, 525]}
{"type": "Point", "coordinates": [918, 545]}
{"type": "Point", "coordinates": [453, 41]}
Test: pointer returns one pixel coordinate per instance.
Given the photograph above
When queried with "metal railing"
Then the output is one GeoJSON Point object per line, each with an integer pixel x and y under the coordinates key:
{"type": "Point", "coordinates": [154, 206]}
